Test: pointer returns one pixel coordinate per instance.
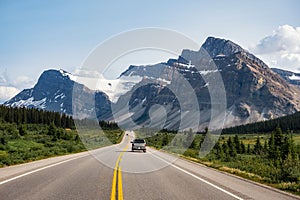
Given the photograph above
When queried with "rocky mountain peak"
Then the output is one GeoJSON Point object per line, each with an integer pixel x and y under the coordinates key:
{"type": "Point", "coordinates": [216, 46]}
{"type": "Point", "coordinates": [253, 91]}
{"type": "Point", "coordinates": [54, 91]}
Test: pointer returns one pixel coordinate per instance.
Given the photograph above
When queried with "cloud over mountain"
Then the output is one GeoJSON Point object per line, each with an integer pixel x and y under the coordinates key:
{"type": "Point", "coordinates": [10, 86]}
{"type": "Point", "coordinates": [7, 92]}
{"type": "Point", "coordinates": [281, 49]}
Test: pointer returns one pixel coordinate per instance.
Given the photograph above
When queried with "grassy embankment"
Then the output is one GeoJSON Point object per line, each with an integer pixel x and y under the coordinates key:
{"type": "Point", "coordinates": [252, 156]}
{"type": "Point", "coordinates": [25, 143]}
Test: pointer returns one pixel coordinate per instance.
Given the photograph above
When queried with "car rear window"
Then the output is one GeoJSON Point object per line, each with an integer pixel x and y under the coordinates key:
{"type": "Point", "coordinates": [139, 141]}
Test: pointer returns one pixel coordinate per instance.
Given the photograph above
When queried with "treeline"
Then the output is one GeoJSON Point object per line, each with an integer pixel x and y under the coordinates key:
{"type": "Point", "coordinates": [28, 142]}
{"type": "Point", "coordinates": [268, 158]}
{"type": "Point", "coordinates": [106, 125]}
{"type": "Point", "coordinates": [35, 116]}
{"type": "Point", "coordinates": [286, 123]}
{"type": "Point", "coordinates": [277, 157]}
{"type": "Point", "coordinates": [278, 149]}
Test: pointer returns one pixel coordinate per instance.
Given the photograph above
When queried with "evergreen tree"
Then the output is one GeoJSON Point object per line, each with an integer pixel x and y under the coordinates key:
{"type": "Point", "coordinates": [278, 137]}
{"type": "Point", "coordinates": [22, 130]}
{"type": "Point", "coordinates": [226, 151]}
{"type": "Point", "coordinates": [231, 148]}
{"type": "Point", "coordinates": [52, 129]}
{"type": "Point", "coordinates": [189, 139]}
{"type": "Point", "coordinates": [165, 140]}
{"type": "Point", "coordinates": [248, 149]}
{"type": "Point", "coordinates": [272, 147]}
{"type": "Point", "coordinates": [243, 148]}
{"type": "Point", "coordinates": [265, 149]}
{"type": "Point", "coordinates": [257, 147]}
{"type": "Point", "coordinates": [237, 144]}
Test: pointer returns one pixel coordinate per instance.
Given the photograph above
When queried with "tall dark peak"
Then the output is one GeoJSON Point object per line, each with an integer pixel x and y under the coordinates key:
{"type": "Point", "coordinates": [50, 82]}
{"type": "Point", "coordinates": [253, 91]}
{"type": "Point", "coordinates": [216, 46]}
{"type": "Point", "coordinates": [54, 91]}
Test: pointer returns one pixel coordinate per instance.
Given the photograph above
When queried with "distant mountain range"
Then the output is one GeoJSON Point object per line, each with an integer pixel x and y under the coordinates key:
{"type": "Point", "coordinates": [254, 92]}
{"type": "Point", "coordinates": [290, 77]}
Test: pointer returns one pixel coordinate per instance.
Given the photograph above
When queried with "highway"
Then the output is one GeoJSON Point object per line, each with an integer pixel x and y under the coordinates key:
{"type": "Point", "coordinates": [114, 172]}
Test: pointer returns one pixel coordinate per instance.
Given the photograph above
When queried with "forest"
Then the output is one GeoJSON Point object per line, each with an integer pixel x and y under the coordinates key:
{"type": "Point", "coordinates": [286, 123]}
{"type": "Point", "coordinates": [28, 134]}
{"type": "Point", "coordinates": [267, 152]}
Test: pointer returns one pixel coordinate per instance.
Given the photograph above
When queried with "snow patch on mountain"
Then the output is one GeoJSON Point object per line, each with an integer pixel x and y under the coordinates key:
{"type": "Point", "coordinates": [294, 77]}
{"type": "Point", "coordinates": [113, 88]}
{"type": "Point", "coordinates": [65, 73]}
{"type": "Point", "coordinates": [31, 103]}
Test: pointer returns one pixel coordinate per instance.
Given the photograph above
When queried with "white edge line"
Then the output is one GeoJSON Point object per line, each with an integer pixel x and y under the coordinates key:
{"type": "Point", "coordinates": [40, 169]}
{"type": "Point", "coordinates": [201, 179]}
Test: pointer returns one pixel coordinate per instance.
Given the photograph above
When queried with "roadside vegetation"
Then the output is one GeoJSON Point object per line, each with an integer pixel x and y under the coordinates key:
{"type": "Point", "coordinates": [267, 156]}
{"type": "Point", "coordinates": [32, 134]}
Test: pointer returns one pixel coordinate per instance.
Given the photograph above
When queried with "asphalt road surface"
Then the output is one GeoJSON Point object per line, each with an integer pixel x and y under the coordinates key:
{"type": "Point", "coordinates": [115, 172]}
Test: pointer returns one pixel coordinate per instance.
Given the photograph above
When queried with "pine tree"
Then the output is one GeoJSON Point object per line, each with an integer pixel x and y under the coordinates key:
{"type": "Point", "coordinates": [22, 130]}
{"type": "Point", "coordinates": [52, 129]}
{"type": "Point", "coordinates": [257, 147]}
{"type": "Point", "coordinates": [226, 151]}
{"type": "Point", "coordinates": [272, 147]}
{"type": "Point", "coordinates": [236, 142]}
{"type": "Point", "coordinates": [243, 148]}
{"type": "Point", "coordinates": [278, 137]}
{"type": "Point", "coordinates": [248, 149]}
{"type": "Point", "coordinates": [265, 146]}
{"type": "Point", "coordinates": [231, 148]}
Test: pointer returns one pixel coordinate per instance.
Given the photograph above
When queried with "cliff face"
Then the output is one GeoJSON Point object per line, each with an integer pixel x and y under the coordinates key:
{"type": "Point", "coordinates": [253, 91]}
{"type": "Point", "coordinates": [164, 92]}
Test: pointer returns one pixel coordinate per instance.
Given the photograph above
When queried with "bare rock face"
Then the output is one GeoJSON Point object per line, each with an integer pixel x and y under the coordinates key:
{"type": "Point", "coordinates": [54, 91]}
{"type": "Point", "coordinates": [290, 77]}
{"type": "Point", "coordinates": [253, 91]}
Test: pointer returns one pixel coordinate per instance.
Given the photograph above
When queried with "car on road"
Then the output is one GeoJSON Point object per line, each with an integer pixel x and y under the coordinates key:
{"type": "Point", "coordinates": [139, 144]}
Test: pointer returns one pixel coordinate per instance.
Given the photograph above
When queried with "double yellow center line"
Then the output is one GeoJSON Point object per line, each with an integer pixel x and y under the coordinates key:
{"type": "Point", "coordinates": [117, 178]}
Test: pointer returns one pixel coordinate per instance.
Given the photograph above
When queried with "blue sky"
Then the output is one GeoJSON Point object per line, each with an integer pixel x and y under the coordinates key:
{"type": "Point", "coordinates": [37, 35]}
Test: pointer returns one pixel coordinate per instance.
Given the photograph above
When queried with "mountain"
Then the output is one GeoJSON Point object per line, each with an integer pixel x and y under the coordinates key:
{"type": "Point", "coordinates": [253, 91]}
{"type": "Point", "coordinates": [290, 77]}
{"type": "Point", "coordinates": [176, 94]}
{"type": "Point", "coordinates": [54, 91]}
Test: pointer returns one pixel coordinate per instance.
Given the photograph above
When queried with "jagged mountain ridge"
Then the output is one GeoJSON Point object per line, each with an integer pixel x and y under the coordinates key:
{"type": "Point", "coordinates": [253, 91]}
{"type": "Point", "coordinates": [54, 91]}
{"type": "Point", "coordinates": [291, 77]}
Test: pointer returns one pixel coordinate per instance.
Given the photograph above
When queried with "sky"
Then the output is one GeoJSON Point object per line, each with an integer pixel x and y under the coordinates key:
{"type": "Point", "coordinates": [38, 35]}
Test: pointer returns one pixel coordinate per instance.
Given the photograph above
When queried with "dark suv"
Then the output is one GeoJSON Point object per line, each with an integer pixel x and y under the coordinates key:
{"type": "Point", "coordinates": [139, 144]}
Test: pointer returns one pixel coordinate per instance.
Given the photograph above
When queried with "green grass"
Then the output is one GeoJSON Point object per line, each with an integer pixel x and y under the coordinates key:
{"type": "Point", "coordinates": [95, 138]}
{"type": "Point", "coordinates": [296, 138]}
{"type": "Point", "coordinates": [256, 167]}
{"type": "Point", "coordinates": [43, 141]}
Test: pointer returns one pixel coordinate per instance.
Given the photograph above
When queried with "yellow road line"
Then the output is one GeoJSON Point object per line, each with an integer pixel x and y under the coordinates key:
{"type": "Point", "coordinates": [113, 187]}
{"type": "Point", "coordinates": [120, 187]}
{"type": "Point", "coordinates": [118, 176]}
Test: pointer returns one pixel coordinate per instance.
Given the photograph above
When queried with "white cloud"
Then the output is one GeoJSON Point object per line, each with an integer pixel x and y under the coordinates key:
{"type": "Point", "coordinates": [3, 76]}
{"type": "Point", "coordinates": [11, 86]}
{"type": "Point", "coordinates": [87, 73]}
{"type": "Point", "coordinates": [22, 82]}
{"type": "Point", "coordinates": [281, 49]}
{"type": "Point", "coordinates": [7, 92]}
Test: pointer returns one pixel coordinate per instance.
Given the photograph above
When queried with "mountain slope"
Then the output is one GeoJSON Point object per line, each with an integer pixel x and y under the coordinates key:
{"type": "Point", "coordinates": [290, 77]}
{"type": "Point", "coordinates": [253, 91]}
{"type": "Point", "coordinates": [54, 91]}
{"type": "Point", "coordinates": [160, 95]}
